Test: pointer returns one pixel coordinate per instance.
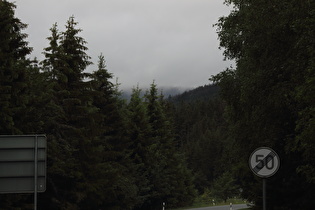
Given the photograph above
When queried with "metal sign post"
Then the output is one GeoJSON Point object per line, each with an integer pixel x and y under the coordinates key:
{"type": "Point", "coordinates": [264, 162]}
{"type": "Point", "coordinates": [264, 194]}
{"type": "Point", "coordinates": [35, 171]}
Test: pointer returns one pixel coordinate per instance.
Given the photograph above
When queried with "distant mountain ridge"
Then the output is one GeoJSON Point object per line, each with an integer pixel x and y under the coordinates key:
{"type": "Point", "coordinates": [202, 93]}
{"type": "Point", "coordinates": [177, 94]}
{"type": "Point", "coordinates": [166, 91]}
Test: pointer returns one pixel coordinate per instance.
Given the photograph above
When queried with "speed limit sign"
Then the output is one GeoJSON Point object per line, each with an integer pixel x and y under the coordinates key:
{"type": "Point", "coordinates": [264, 162]}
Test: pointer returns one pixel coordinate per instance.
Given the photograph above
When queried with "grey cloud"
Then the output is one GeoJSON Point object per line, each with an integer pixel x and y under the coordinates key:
{"type": "Point", "coordinates": [172, 41]}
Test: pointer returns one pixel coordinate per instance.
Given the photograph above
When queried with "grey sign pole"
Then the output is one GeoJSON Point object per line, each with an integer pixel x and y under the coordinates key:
{"type": "Point", "coordinates": [264, 194]}
{"type": "Point", "coordinates": [264, 162]}
{"type": "Point", "coordinates": [35, 171]}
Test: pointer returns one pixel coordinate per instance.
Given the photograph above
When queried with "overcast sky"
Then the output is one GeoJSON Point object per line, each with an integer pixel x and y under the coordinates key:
{"type": "Point", "coordinates": [169, 41]}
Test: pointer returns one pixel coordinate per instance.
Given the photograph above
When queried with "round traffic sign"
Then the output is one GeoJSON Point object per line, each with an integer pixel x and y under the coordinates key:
{"type": "Point", "coordinates": [264, 162]}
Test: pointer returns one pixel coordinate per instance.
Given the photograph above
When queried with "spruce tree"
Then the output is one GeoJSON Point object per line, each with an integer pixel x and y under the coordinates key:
{"type": "Point", "coordinates": [53, 53]}
{"type": "Point", "coordinates": [114, 173]}
{"type": "Point", "coordinates": [13, 63]}
{"type": "Point", "coordinates": [139, 131]}
{"type": "Point", "coordinates": [20, 88]}
{"type": "Point", "coordinates": [70, 118]}
{"type": "Point", "coordinates": [168, 174]}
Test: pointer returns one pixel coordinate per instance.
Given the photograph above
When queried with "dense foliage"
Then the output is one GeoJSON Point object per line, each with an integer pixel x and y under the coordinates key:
{"type": "Point", "coordinates": [103, 153]}
{"type": "Point", "coordinates": [108, 153]}
{"type": "Point", "coordinates": [202, 137]}
{"type": "Point", "coordinates": [270, 95]}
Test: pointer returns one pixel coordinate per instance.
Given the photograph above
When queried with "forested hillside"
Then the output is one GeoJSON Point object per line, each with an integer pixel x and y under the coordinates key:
{"type": "Point", "coordinates": [202, 93]}
{"type": "Point", "coordinates": [200, 134]}
{"type": "Point", "coordinates": [103, 153]}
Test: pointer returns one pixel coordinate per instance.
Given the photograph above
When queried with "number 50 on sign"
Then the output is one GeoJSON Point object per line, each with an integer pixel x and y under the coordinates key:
{"type": "Point", "coordinates": [264, 162]}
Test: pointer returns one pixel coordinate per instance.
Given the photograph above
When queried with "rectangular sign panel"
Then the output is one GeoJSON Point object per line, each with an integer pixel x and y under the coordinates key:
{"type": "Point", "coordinates": [21, 157]}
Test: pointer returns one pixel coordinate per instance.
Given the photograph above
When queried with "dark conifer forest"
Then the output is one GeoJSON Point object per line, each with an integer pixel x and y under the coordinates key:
{"type": "Point", "coordinates": [105, 152]}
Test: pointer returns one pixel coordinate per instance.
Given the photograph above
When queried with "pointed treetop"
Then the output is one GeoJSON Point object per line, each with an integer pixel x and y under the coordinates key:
{"type": "Point", "coordinates": [101, 62]}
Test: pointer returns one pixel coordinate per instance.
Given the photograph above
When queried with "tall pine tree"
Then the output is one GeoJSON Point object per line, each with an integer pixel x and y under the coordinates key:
{"type": "Point", "coordinates": [15, 78]}
{"type": "Point", "coordinates": [168, 174]}
{"type": "Point", "coordinates": [113, 175]}
{"type": "Point", "coordinates": [13, 74]}
{"type": "Point", "coordinates": [139, 131]}
{"type": "Point", "coordinates": [69, 123]}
